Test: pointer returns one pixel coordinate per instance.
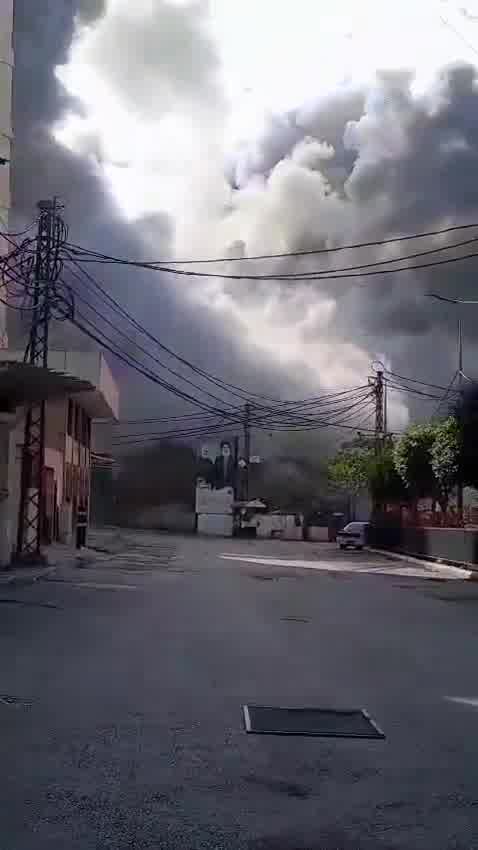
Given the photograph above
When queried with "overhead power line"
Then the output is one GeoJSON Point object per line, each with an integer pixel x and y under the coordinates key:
{"type": "Point", "coordinates": [278, 256]}
{"type": "Point", "coordinates": [175, 435]}
{"type": "Point", "coordinates": [318, 274]}
{"type": "Point", "coordinates": [109, 344]}
{"type": "Point", "coordinates": [333, 417]}
{"type": "Point", "coordinates": [412, 391]}
{"type": "Point", "coordinates": [266, 411]}
{"type": "Point", "coordinates": [446, 23]}
{"type": "Point", "coordinates": [416, 381]}
{"type": "Point", "coordinates": [156, 421]}
{"type": "Point", "coordinates": [334, 271]}
{"type": "Point", "coordinates": [143, 350]}
{"type": "Point", "coordinates": [119, 309]}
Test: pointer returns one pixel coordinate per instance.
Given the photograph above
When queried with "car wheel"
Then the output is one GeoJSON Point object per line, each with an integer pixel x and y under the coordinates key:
{"type": "Point", "coordinates": [342, 545]}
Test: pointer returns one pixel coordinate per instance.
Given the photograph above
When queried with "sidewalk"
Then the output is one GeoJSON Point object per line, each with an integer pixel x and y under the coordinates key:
{"type": "Point", "coordinates": [23, 575]}
{"type": "Point", "coordinates": [464, 571]}
{"type": "Point", "coordinates": [55, 555]}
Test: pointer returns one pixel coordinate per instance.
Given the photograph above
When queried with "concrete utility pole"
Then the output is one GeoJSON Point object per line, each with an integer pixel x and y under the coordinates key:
{"type": "Point", "coordinates": [236, 467]}
{"type": "Point", "coordinates": [51, 235]}
{"type": "Point", "coordinates": [379, 412]}
{"type": "Point", "coordinates": [247, 447]}
{"type": "Point", "coordinates": [457, 301]}
{"type": "Point", "coordinates": [459, 490]}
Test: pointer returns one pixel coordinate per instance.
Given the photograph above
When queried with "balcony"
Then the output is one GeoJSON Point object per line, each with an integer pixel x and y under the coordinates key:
{"type": "Point", "coordinates": [68, 370]}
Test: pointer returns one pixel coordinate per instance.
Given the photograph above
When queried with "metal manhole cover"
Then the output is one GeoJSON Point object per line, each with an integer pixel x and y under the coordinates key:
{"type": "Point", "coordinates": [318, 722]}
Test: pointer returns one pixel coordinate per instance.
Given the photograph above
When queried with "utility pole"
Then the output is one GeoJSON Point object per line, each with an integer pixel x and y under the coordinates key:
{"type": "Point", "coordinates": [459, 489]}
{"type": "Point", "coordinates": [236, 467]}
{"type": "Point", "coordinates": [379, 412]}
{"type": "Point", "coordinates": [247, 447]}
{"type": "Point", "coordinates": [51, 235]}
{"type": "Point", "coordinates": [458, 302]}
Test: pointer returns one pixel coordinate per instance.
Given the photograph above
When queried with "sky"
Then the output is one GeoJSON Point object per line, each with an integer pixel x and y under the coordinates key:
{"type": "Point", "coordinates": [202, 129]}
{"type": "Point", "coordinates": [268, 58]}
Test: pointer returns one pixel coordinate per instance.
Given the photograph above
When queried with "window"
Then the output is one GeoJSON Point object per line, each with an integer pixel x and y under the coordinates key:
{"type": "Point", "coordinates": [69, 426]}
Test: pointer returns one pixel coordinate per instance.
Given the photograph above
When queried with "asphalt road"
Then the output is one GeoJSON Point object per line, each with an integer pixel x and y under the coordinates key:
{"type": "Point", "coordinates": [122, 681]}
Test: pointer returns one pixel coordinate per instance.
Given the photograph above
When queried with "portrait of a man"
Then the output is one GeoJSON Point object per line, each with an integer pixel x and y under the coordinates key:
{"type": "Point", "coordinates": [224, 467]}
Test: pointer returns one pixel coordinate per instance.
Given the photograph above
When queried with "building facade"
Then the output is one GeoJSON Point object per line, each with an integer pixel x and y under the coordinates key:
{"type": "Point", "coordinates": [6, 133]}
{"type": "Point", "coordinates": [69, 420]}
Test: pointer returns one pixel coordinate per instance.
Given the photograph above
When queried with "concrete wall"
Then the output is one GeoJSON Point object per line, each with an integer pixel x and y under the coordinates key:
{"type": "Point", "coordinates": [318, 533]}
{"type": "Point", "coordinates": [278, 525]}
{"type": "Point", "coordinates": [215, 525]}
{"type": "Point", "coordinates": [452, 544]}
{"type": "Point", "coordinates": [6, 132]}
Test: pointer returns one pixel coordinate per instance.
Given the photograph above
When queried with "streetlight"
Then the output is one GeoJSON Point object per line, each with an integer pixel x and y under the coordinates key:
{"type": "Point", "coordinates": [460, 328]}
{"type": "Point", "coordinates": [461, 375]}
{"type": "Point", "coordinates": [450, 300]}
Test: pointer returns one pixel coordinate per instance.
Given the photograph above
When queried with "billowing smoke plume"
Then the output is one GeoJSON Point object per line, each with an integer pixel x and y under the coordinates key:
{"type": "Point", "coordinates": [45, 167]}
{"type": "Point", "coordinates": [362, 163]}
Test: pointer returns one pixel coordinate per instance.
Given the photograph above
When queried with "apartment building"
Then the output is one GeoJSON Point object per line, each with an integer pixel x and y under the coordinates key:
{"type": "Point", "coordinates": [6, 72]}
{"type": "Point", "coordinates": [79, 390]}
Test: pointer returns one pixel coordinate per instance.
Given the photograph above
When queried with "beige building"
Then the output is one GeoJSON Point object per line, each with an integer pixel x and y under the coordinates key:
{"type": "Point", "coordinates": [79, 389]}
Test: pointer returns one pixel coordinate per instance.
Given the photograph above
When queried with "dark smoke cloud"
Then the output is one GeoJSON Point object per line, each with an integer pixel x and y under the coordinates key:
{"type": "Point", "coordinates": [324, 120]}
{"type": "Point", "coordinates": [404, 163]}
{"type": "Point", "coordinates": [401, 163]}
{"type": "Point", "coordinates": [43, 168]}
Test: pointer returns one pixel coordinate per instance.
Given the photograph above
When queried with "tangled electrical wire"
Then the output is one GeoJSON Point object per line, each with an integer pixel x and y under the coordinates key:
{"type": "Point", "coordinates": [30, 273]}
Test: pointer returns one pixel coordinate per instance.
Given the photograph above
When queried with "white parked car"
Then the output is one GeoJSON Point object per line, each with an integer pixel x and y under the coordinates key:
{"type": "Point", "coordinates": [354, 535]}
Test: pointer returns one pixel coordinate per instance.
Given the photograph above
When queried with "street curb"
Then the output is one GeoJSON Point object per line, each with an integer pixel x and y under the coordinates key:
{"type": "Point", "coordinates": [470, 571]}
{"type": "Point", "coordinates": [17, 579]}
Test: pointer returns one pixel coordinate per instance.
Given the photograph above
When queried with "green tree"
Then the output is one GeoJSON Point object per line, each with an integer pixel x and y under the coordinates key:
{"type": "Point", "coordinates": [349, 471]}
{"type": "Point", "coordinates": [413, 460]}
{"type": "Point", "coordinates": [445, 459]}
{"type": "Point", "coordinates": [427, 457]}
{"type": "Point", "coordinates": [385, 484]}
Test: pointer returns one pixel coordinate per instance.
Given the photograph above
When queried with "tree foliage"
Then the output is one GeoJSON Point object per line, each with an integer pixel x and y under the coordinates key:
{"type": "Point", "coordinates": [349, 469]}
{"type": "Point", "coordinates": [384, 482]}
{"type": "Point", "coordinates": [424, 462]}
{"type": "Point", "coordinates": [427, 458]}
{"type": "Point", "coordinates": [413, 460]}
{"type": "Point", "coordinates": [445, 458]}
